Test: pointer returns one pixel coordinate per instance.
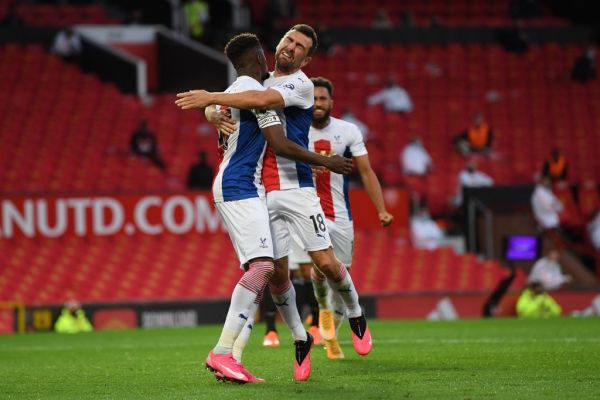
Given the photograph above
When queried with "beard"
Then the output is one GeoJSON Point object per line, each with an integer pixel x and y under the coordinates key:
{"type": "Point", "coordinates": [265, 76]}
{"type": "Point", "coordinates": [322, 119]}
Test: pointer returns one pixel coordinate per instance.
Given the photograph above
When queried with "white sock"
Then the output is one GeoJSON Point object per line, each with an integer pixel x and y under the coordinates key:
{"type": "Point", "coordinates": [242, 340]}
{"type": "Point", "coordinates": [284, 297]}
{"type": "Point", "coordinates": [242, 300]}
{"type": "Point", "coordinates": [320, 288]}
{"type": "Point", "coordinates": [345, 287]}
{"type": "Point", "coordinates": [339, 309]}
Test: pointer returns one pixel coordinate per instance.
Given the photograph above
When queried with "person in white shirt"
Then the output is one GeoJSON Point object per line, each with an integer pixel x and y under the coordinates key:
{"type": "Point", "coordinates": [594, 230]}
{"type": "Point", "coordinates": [424, 232]}
{"type": "Point", "coordinates": [415, 159]}
{"type": "Point", "coordinates": [393, 97]}
{"type": "Point", "coordinates": [471, 177]}
{"type": "Point", "coordinates": [547, 271]}
{"type": "Point", "coordinates": [546, 206]}
{"type": "Point", "coordinates": [66, 44]}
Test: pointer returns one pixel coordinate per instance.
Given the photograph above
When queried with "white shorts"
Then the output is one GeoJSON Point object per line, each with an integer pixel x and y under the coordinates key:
{"type": "Point", "coordinates": [298, 210]}
{"type": "Point", "coordinates": [297, 255]}
{"type": "Point", "coordinates": [341, 233]}
{"type": "Point", "coordinates": [342, 239]}
{"type": "Point", "coordinates": [247, 222]}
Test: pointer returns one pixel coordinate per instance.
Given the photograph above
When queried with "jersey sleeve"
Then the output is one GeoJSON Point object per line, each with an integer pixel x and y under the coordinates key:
{"type": "Point", "coordinates": [296, 92]}
{"type": "Point", "coordinates": [356, 144]}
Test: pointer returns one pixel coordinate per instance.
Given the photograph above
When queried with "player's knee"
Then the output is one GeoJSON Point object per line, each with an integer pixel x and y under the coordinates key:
{"type": "Point", "coordinates": [263, 269]}
{"type": "Point", "coordinates": [329, 266]}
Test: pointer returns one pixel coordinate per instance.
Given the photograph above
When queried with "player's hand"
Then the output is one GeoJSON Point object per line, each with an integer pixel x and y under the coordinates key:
{"type": "Point", "coordinates": [339, 165]}
{"type": "Point", "coordinates": [220, 120]}
{"type": "Point", "coordinates": [193, 99]}
{"type": "Point", "coordinates": [386, 218]}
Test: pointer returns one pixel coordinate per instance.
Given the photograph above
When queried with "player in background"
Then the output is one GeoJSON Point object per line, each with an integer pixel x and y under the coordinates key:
{"type": "Point", "coordinates": [239, 198]}
{"type": "Point", "coordinates": [291, 196]}
{"type": "Point", "coordinates": [328, 136]}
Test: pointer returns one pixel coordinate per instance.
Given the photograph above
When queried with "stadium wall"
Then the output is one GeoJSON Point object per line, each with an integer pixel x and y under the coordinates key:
{"type": "Point", "coordinates": [431, 306]}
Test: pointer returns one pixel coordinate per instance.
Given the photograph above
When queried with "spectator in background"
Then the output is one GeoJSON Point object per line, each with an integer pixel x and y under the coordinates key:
{"type": "Point", "coordinates": [594, 231]}
{"type": "Point", "coordinates": [200, 175]}
{"type": "Point", "coordinates": [556, 166]}
{"type": "Point", "coordinates": [144, 144]}
{"type": "Point", "coordinates": [546, 206]}
{"type": "Point", "coordinates": [547, 272]}
{"type": "Point", "coordinates": [197, 16]}
{"type": "Point", "coordinates": [477, 138]}
{"type": "Point", "coordinates": [393, 97]}
{"type": "Point", "coordinates": [424, 232]}
{"type": "Point", "coordinates": [415, 159]}
{"type": "Point", "coordinates": [470, 176]}
{"type": "Point", "coordinates": [72, 319]}
{"type": "Point", "coordinates": [382, 19]}
{"type": "Point", "coordinates": [67, 44]}
{"type": "Point", "coordinates": [416, 164]}
{"type": "Point", "coordinates": [349, 116]}
{"type": "Point", "coordinates": [584, 68]}
{"type": "Point", "coordinates": [535, 302]}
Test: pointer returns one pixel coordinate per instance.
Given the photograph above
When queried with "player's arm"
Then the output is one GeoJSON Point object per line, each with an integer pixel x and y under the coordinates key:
{"type": "Point", "coordinates": [284, 147]}
{"type": "Point", "coordinates": [260, 99]}
{"type": "Point", "coordinates": [373, 188]}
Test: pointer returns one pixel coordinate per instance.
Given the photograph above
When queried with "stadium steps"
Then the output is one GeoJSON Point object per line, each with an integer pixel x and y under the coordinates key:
{"type": "Point", "coordinates": [205, 267]}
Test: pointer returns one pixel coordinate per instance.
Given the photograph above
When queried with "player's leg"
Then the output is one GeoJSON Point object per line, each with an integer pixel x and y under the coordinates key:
{"type": "Point", "coordinates": [297, 257]}
{"type": "Point", "coordinates": [282, 290]}
{"type": "Point", "coordinates": [305, 215]}
{"type": "Point", "coordinates": [310, 300]}
{"type": "Point", "coordinates": [284, 297]}
{"type": "Point", "coordinates": [340, 280]}
{"type": "Point", "coordinates": [300, 265]}
{"type": "Point", "coordinates": [342, 239]}
{"type": "Point", "coordinates": [253, 245]}
{"type": "Point", "coordinates": [242, 340]}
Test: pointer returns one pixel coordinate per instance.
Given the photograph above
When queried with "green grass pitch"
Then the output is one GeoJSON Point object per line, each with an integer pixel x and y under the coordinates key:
{"type": "Point", "coordinates": [468, 359]}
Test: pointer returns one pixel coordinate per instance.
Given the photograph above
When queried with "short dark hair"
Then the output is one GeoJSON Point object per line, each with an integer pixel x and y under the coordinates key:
{"type": "Point", "coordinates": [307, 30]}
{"type": "Point", "coordinates": [238, 45]}
{"type": "Point", "coordinates": [319, 81]}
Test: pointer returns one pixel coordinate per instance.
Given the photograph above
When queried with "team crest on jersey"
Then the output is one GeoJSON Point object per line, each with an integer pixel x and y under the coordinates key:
{"type": "Point", "coordinates": [338, 138]}
{"type": "Point", "coordinates": [263, 243]}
